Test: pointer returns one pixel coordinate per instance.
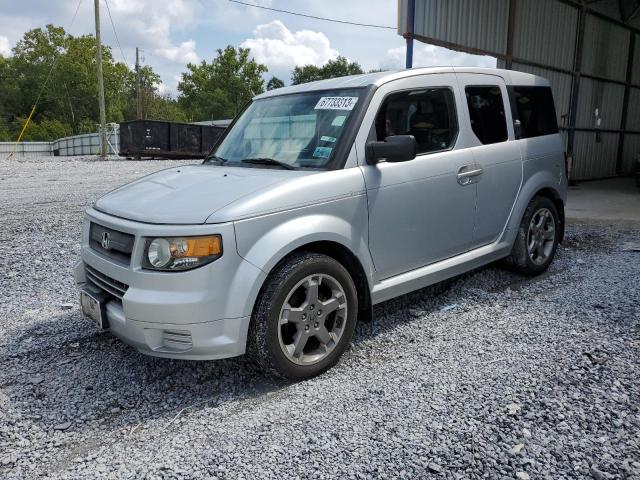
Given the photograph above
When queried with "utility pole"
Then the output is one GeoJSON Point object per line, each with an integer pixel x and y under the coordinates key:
{"type": "Point", "coordinates": [103, 120]}
{"type": "Point", "coordinates": [138, 92]}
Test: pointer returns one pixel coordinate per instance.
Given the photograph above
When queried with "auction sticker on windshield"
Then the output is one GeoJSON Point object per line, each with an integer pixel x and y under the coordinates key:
{"type": "Point", "coordinates": [322, 152]}
{"type": "Point", "coordinates": [336, 103]}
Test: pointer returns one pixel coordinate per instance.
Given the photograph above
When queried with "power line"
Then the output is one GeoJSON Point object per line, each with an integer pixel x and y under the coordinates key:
{"type": "Point", "coordinates": [113, 25]}
{"type": "Point", "coordinates": [313, 16]}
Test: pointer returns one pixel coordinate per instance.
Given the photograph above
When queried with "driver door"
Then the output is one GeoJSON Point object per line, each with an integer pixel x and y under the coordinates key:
{"type": "Point", "coordinates": [420, 211]}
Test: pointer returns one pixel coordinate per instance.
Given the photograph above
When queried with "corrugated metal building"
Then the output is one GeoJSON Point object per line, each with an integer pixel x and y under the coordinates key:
{"type": "Point", "coordinates": [589, 51]}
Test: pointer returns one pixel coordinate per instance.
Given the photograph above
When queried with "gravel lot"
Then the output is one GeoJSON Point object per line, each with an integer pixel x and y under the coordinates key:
{"type": "Point", "coordinates": [491, 376]}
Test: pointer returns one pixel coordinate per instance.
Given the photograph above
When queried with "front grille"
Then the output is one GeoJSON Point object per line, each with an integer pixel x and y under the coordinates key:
{"type": "Point", "coordinates": [105, 283]}
{"type": "Point", "coordinates": [118, 245]}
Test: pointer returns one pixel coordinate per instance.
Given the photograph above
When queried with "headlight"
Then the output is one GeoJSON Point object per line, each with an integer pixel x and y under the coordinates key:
{"type": "Point", "coordinates": [181, 253]}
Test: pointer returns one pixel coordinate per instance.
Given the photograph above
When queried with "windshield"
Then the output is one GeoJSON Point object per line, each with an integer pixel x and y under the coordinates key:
{"type": "Point", "coordinates": [300, 130]}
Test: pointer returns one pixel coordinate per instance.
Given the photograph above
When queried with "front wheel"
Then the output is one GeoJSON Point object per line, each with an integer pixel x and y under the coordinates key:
{"type": "Point", "coordinates": [537, 239]}
{"type": "Point", "coordinates": [304, 317]}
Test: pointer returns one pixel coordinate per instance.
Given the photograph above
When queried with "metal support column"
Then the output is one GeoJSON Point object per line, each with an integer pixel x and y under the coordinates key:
{"type": "Point", "coordinates": [508, 62]}
{"type": "Point", "coordinates": [575, 82]}
{"type": "Point", "coordinates": [411, 13]}
{"type": "Point", "coordinates": [625, 103]}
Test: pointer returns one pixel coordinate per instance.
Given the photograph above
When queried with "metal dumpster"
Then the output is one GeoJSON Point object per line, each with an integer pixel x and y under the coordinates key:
{"type": "Point", "coordinates": [158, 139]}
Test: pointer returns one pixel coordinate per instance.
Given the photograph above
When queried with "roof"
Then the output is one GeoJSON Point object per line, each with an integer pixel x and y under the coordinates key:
{"type": "Point", "coordinates": [350, 81]}
{"type": "Point", "coordinates": [380, 78]}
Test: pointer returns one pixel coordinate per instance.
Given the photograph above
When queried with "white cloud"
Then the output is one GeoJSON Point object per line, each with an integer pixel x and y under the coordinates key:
{"type": "Point", "coordinates": [184, 53]}
{"type": "Point", "coordinates": [5, 47]}
{"type": "Point", "coordinates": [281, 49]}
{"type": "Point", "coordinates": [433, 56]}
{"type": "Point", "coordinates": [164, 32]}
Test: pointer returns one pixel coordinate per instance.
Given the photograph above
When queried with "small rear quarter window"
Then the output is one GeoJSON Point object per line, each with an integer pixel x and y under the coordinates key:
{"type": "Point", "coordinates": [535, 109]}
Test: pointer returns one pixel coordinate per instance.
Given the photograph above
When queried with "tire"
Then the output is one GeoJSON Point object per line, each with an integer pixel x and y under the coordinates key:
{"type": "Point", "coordinates": [544, 237]}
{"type": "Point", "coordinates": [308, 341]}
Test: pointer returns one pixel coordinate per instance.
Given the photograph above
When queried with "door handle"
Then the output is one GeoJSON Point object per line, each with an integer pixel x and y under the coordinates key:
{"type": "Point", "coordinates": [465, 177]}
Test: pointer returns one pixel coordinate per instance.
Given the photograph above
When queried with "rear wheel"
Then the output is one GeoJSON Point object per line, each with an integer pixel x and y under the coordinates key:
{"type": "Point", "coordinates": [304, 317]}
{"type": "Point", "coordinates": [537, 238]}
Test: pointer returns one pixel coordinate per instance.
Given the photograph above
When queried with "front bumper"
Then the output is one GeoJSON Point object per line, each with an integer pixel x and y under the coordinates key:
{"type": "Point", "coordinates": [200, 314]}
{"type": "Point", "coordinates": [196, 341]}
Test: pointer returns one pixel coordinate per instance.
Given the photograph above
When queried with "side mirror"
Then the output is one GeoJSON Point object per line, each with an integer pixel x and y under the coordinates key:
{"type": "Point", "coordinates": [398, 148]}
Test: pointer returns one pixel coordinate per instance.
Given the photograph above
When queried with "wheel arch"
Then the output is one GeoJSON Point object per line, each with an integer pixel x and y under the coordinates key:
{"type": "Point", "coordinates": [553, 195]}
{"type": "Point", "coordinates": [347, 258]}
{"type": "Point", "coordinates": [540, 184]}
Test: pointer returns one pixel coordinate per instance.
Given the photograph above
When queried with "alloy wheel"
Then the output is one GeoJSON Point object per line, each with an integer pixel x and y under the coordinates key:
{"type": "Point", "coordinates": [312, 319]}
{"type": "Point", "coordinates": [541, 236]}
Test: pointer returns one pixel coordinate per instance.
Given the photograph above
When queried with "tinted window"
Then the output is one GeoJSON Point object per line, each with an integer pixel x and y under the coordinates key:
{"type": "Point", "coordinates": [486, 111]}
{"type": "Point", "coordinates": [427, 114]}
{"type": "Point", "coordinates": [535, 110]}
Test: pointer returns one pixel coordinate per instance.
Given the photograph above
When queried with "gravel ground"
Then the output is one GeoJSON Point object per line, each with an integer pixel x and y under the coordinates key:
{"type": "Point", "coordinates": [491, 376]}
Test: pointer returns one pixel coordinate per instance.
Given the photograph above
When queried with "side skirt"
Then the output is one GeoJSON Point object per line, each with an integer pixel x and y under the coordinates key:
{"type": "Point", "coordinates": [437, 272]}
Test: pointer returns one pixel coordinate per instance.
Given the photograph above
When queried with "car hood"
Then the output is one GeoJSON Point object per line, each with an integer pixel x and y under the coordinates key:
{"type": "Point", "coordinates": [188, 194]}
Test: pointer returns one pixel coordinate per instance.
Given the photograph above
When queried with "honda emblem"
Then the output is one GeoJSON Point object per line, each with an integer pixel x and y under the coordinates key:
{"type": "Point", "coordinates": [106, 240]}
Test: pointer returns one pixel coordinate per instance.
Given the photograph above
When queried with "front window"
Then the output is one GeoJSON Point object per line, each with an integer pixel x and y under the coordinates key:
{"type": "Point", "coordinates": [301, 130]}
{"type": "Point", "coordinates": [429, 114]}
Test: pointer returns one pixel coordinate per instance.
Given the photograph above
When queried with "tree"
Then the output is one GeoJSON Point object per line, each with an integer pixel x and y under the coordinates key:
{"type": "Point", "coordinates": [155, 106]}
{"type": "Point", "coordinates": [69, 94]}
{"type": "Point", "coordinates": [164, 108]}
{"type": "Point", "coordinates": [46, 128]}
{"type": "Point", "coordinates": [340, 67]}
{"type": "Point", "coordinates": [274, 83]}
{"type": "Point", "coordinates": [8, 94]}
{"type": "Point", "coordinates": [68, 103]}
{"type": "Point", "coordinates": [217, 90]}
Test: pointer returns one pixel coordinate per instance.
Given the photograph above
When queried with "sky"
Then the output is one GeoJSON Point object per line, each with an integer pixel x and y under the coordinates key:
{"type": "Point", "coordinates": [172, 33]}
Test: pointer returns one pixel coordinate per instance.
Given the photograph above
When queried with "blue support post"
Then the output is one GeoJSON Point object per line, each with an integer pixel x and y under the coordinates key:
{"type": "Point", "coordinates": [411, 11]}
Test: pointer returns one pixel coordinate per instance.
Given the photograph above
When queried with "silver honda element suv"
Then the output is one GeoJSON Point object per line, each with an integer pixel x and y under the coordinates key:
{"type": "Point", "coordinates": [320, 201]}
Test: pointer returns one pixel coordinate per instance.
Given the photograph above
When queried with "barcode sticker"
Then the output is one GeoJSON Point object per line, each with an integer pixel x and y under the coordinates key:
{"type": "Point", "coordinates": [336, 103]}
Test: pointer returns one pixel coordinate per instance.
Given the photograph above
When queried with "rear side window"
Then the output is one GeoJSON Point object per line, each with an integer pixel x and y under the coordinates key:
{"type": "Point", "coordinates": [429, 114]}
{"type": "Point", "coordinates": [535, 110]}
{"type": "Point", "coordinates": [486, 111]}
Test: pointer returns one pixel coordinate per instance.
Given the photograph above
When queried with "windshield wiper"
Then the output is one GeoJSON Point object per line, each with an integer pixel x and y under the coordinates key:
{"type": "Point", "coordinates": [215, 159]}
{"type": "Point", "coordinates": [269, 161]}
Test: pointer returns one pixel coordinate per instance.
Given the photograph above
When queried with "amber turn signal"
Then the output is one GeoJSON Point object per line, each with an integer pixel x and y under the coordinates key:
{"type": "Point", "coordinates": [196, 246]}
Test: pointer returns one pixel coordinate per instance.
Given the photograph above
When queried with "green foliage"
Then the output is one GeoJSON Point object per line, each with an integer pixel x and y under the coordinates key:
{"type": "Point", "coordinates": [217, 90]}
{"type": "Point", "coordinates": [46, 129]}
{"type": "Point", "coordinates": [86, 125]}
{"type": "Point", "coordinates": [68, 104]}
{"type": "Point", "coordinates": [69, 94]}
{"type": "Point", "coordinates": [165, 108]}
{"type": "Point", "coordinates": [340, 67]}
{"type": "Point", "coordinates": [274, 83]}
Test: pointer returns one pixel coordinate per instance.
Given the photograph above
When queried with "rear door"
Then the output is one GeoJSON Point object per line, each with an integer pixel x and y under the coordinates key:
{"type": "Point", "coordinates": [496, 153]}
